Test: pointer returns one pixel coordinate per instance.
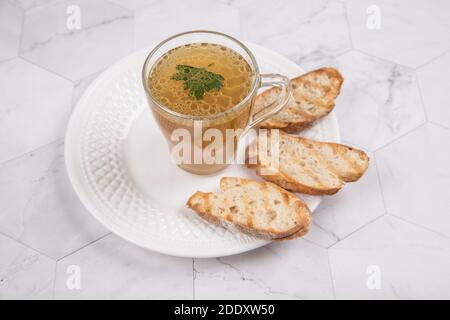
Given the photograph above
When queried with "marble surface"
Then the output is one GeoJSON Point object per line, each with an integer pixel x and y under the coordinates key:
{"type": "Point", "coordinates": [39, 206]}
{"type": "Point", "coordinates": [291, 270]}
{"type": "Point", "coordinates": [170, 17]}
{"type": "Point", "coordinates": [411, 32]}
{"type": "Point", "coordinates": [355, 206]}
{"type": "Point", "coordinates": [34, 107]}
{"type": "Point", "coordinates": [380, 100]}
{"type": "Point", "coordinates": [11, 18]}
{"type": "Point", "coordinates": [412, 262]}
{"type": "Point", "coordinates": [24, 272]}
{"type": "Point", "coordinates": [112, 268]}
{"type": "Point", "coordinates": [387, 236]}
{"type": "Point", "coordinates": [436, 99]}
{"type": "Point", "coordinates": [105, 34]}
{"type": "Point", "coordinates": [312, 32]}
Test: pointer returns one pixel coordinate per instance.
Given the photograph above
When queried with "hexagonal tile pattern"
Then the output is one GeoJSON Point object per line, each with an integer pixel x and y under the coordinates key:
{"type": "Point", "coordinates": [434, 83]}
{"type": "Point", "coordinates": [351, 208]}
{"type": "Point", "coordinates": [411, 32]}
{"type": "Point", "coordinates": [320, 236]}
{"type": "Point", "coordinates": [352, 240]}
{"type": "Point", "coordinates": [391, 259]}
{"type": "Point", "coordinates": [24, 273]}
{"type": "Point", "coordinates": [34, 107]}
{"type": "Point", "coordinates": [308, 32]}
{"type": "Point", "coordinates": [415, 177]}
{"type": "Point", "coordinates": [11, 18]}
{"type": "Point", "coordinates": [379, 100]}
{"type": "Point", "coordinates": [105, 35]}
{"type": "Point", "coordinates": [39, 207]}
{"type": "Point", "coordinates": [162, 19]}
{"type": "Point", "coordinates": [113, 268]}
{"type": "Point", "coordinates": [289, 270]}
{"type": "Point", "coordinates": [289, 15]}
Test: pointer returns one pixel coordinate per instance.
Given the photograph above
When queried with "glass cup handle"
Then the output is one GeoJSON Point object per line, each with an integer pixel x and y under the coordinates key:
{"type": "Point", "coordinates": [271, 80]}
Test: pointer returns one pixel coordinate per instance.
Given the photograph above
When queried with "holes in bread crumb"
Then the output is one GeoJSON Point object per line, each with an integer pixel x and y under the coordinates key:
{"type": "Point", "coordinates": [233, 209]}
{"type": "Point", "coordinates": [272, 215]}
{"type": "Point", "coordinates": [276, 202]}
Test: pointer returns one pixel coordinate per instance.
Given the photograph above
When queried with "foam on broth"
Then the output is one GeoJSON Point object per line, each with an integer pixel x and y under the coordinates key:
{"type": "Point", "coordinates": [219, 59]}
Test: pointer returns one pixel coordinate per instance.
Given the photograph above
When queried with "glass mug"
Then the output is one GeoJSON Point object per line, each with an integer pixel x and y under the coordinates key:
{"type": "Point", "coordinates": [238, 118]}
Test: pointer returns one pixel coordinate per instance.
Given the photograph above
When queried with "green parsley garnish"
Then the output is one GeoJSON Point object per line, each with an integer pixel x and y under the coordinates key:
{"type": "Point", "coordinates": [198, 80]}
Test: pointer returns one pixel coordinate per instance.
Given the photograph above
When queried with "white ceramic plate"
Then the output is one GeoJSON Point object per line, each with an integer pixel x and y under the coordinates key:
{"type": "Point", "coordinates": [119, 165]}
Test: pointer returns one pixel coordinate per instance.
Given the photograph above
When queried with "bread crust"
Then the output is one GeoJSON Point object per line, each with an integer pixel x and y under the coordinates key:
{"type": "Point", "coordinates": [285, 181]}
{"type": "Point", "coordinates": [292, 125]}
{"type": "Point", "coordinates": [302, 222]}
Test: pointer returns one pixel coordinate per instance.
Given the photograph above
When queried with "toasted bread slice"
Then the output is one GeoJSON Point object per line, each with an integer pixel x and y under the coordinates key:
{"type": "Point", "coordinates": [260, 209]}
{"type": "Point", "coordinates": [308, 166]}
{"type": "Point", "coordinates": [313, 96]}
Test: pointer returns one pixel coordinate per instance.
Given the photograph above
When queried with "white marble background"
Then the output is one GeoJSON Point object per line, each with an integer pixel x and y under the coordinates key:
{"type": "Point", "coordinates": [395, 104]}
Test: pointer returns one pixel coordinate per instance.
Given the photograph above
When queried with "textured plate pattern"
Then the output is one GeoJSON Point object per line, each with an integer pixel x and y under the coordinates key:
{"type": "Point", "coordinates": [101, 122]}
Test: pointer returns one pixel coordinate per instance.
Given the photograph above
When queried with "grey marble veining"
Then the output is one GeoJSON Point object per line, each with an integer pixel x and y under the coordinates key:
{"type": "Point", "coordinates": [380, 100]}
{"type": "Point", "coordinates": [307, 32]}
{"type": "Point", "coordinates": [81, 85]}
{"type": "Point", "coordinates": [24, 273]}
{"type": "Point", "coordinates": [293, 270]}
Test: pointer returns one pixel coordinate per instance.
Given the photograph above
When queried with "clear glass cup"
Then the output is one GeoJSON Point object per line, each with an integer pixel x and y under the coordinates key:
{"type": "Point", "coordinates": [239, 118]}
